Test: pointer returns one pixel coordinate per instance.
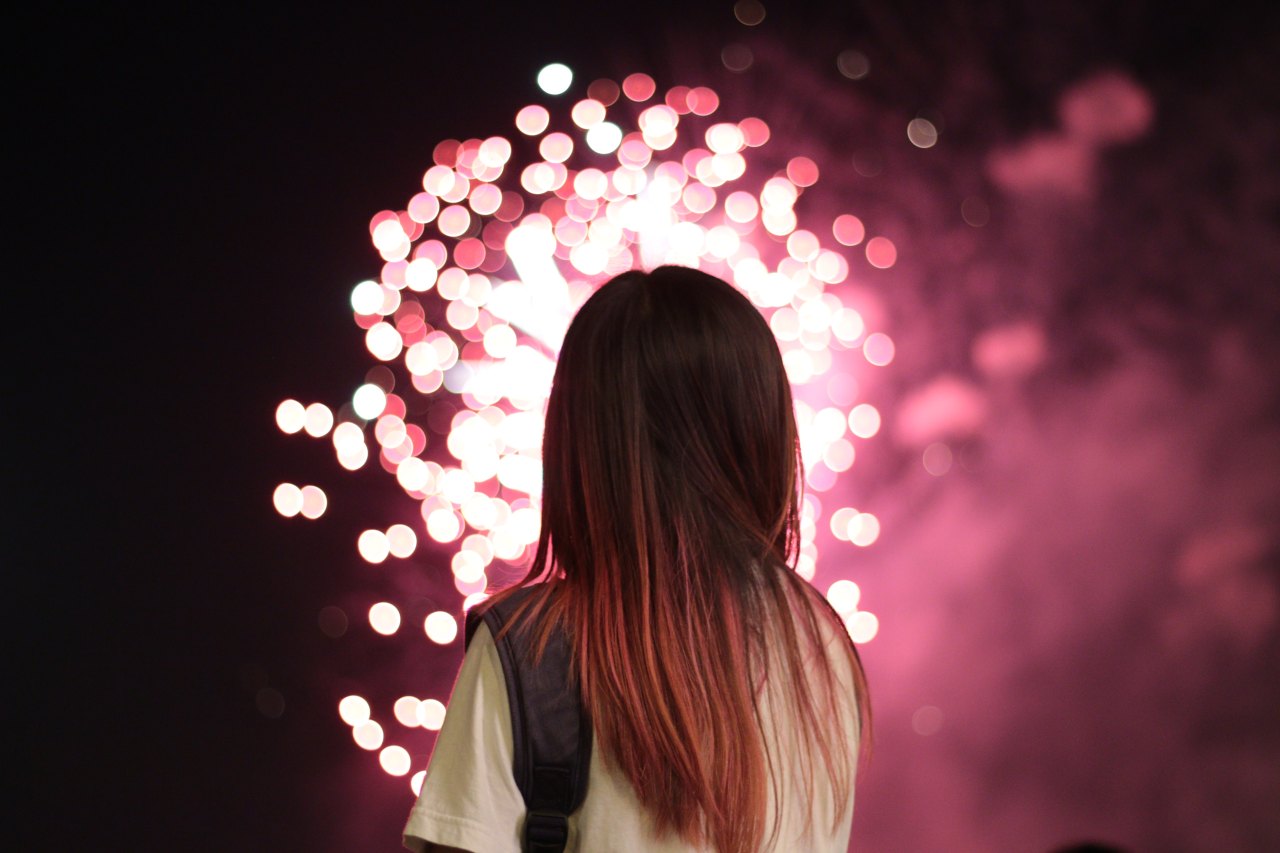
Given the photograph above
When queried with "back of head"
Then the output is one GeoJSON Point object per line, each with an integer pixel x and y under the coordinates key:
{"type": "Point", "coordinates": [670, 418]}
{"type": "Point", "coordinates": [670, 522]}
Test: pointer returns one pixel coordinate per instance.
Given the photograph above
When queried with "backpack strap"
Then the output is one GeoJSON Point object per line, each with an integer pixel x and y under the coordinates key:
{"type": "Point", "coordinates": [550, 730]}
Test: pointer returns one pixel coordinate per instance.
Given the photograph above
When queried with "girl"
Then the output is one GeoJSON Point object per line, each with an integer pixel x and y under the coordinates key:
{"type": "Point", "coordinates": [727, 700]}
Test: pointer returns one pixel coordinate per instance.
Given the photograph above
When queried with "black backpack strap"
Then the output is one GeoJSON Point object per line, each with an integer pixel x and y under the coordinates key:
{"type": "Point", "coordinates": [550, 730]}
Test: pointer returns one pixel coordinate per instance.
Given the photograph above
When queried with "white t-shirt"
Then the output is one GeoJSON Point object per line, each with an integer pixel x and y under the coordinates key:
{"type": "Point", "coordinates": [470, 800]}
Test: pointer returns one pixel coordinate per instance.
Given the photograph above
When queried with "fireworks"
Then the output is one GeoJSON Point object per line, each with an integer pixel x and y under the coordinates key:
{"type": "Point", "coordinates": [482, 272]}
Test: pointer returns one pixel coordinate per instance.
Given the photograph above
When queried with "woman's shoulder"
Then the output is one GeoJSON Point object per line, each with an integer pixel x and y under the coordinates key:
{"type": "Point", "coordinates": [520, 606]}
{"type": "Point", "coordinates": [821, 633]}
{"type": "Point", "coordinates": [809, 606]}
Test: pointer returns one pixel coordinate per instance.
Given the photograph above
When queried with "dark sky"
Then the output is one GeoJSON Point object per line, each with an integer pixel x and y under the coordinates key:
{"type": "Point", "coordinates": [196, 189]}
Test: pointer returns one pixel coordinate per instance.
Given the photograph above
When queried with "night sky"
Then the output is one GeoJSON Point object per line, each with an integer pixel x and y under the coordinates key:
{"type": "Point", "coordinates": [1088, 601]}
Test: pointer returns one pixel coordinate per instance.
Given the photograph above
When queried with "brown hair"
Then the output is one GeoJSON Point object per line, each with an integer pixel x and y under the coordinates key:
{"type": "Point", "coordinates": [670, 527]}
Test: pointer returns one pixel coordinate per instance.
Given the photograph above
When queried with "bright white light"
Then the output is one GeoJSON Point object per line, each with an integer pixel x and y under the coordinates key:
{"type": "Point", "coordinates": [314, 501]}
{"type": "Point", "coordinates": [354, 710]}
{"type": "Point", "coordinates": [420, 275]}
{"type": "Point", "coordinates": [287, 500]}
{"type": "Point", "coordinates": [347, 435]}
{"type": "Point", "coordinates": [373, 546]}
{"type": "Point", "coordinates": [500, 341]}
{"type": "Point", "coordinates": [441, 627]}
{"type": "Point", "coordinates": [828, 424]}
{"type": "Point", "coordinates": [864, 529]}
{"type": "Point", "coordinates": [353, 457]}
{"type": "Point", "coordinates": [384, 617]}
{"type": "Point", "coordinates": [319, 420]}
{"type": "Point", "coordinates": [604, 138]}
{"type": "Point", "coordinates": [368, 735]}
{"type": "Point", "coordinates": [456, 485]}
{"type": "Point", "coordinates": [421, 358]}
{"type": "Point", "coordinates": [291, 416]}
{"type": "Point", "coordinates": [863, 626]}
{"type": "Point", "coordinates": [443, 525]}
{"type": "Point", "coordinates": [725, 138]}
{"type": "Point", "coordinates": [369, 401]}
{"type": "Point", "coordinates": [839, 455]}
{"type": "Point", "coordinates": [847, 325]}
{"type": "Point", "coordinates": [658, 120]}
{"type": "Point", "coordinates": [394, 760]}
{"type": "Point", "coordinates": [840, 520]}
{"type": "Point", "coordinates": [383, 341]}
{"type": "Point", "coordinates": [532, 120]}
{"type": "Point", "coordinates": [431, 714]}
{"type": "Point", "coordinates": [864, 420]}
{"type": "Point", "coordinates": [555, 79]}
{"type": "Point", "coordinates": [401, 540]}
{"type": "Point", "coordinates": [844, 596]}
{"type": "Point", "coordinates": [390, 431]}
{"type": "Point", "coordinates": [406, 710]}
{"type": "Point", "coordinates": [388, 235]}
{"type": "Point", "coordinates": [414, 475]}
{"type": "Point", "coordinates": [366, 297]}
{"type": "Point", "coordinates": [467, 566]}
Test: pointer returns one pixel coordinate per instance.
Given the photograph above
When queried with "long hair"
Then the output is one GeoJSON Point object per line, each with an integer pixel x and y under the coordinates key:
{"type": "Point", "coordinates": [670, 527]}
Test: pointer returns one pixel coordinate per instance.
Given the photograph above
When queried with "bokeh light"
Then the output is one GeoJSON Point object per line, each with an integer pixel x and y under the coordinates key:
{"type": "Point", "coordinates": [332, 621]}
{"type": "Point", "coordinates": [737, 57]}
{"type": "Point", "coordinates": [287, 499]}
{"type": "Point", "coordinates": [638, 87]}
{"type": "Point", "coordinates": [373, 546]}
{"type": "Point", "coordinates": [367, 735]}
{"type": "Point", "coordinates": [975, 211]}
{"type": "Point", "coordinates": [394, 760]}
{"type": "Point", "coordinates": [555, 79]}
{"type": "Point", "coordinates": [937, 458]}
{"type": "Point", "coordinates": [881, 253]}
{"type": "Point", "coordinates": [384, 617]}
{"type": "Point", "coordinates": [863, 626]}
{"type": "Point", "coordinates": [879, 349]}
{"type": "Point", "coordinates": [749, 12]}
{"type": "Point", "coordinates": [864, 529]}
{"type": "Point", "coordinates": [354, 710]}
{"type": "Point", "coordinates": [853, 64]}
{"type": "Point", "coordinates": [313, 502]}
{"type": "Point", "coordinates": [406, 710]}
{"type": "Point", "coordinates": [440, 627]}
{"type": "Point", "coordinates": [927, 720]}
{"type": "Point", "coordinates": [318, 420]}
{"type": "Point", "coordinates": [430, 714]}
{"type": "Point", "coordinates": [532, 120]}
{"type": "Point", "coordinates": [844, 595]}
{"type": "Point", "coordinates": [291, 416]}
{"type": "Point", "coordinates": [369, 401]}
{"type": "Point", "coordinates": [848, 229]}
{"type": "Point", "coordinates": [922, 133]}
{"type": "Point", "coordinates": [401, 540]}
{"type": "Point", "coordinates": [864, 420]}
